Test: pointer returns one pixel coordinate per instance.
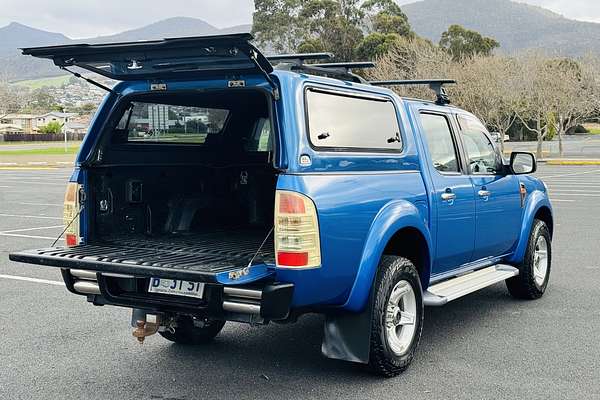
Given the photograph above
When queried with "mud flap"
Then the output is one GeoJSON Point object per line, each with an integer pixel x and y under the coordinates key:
{"type": "Point", "coordinates": [347, 336]}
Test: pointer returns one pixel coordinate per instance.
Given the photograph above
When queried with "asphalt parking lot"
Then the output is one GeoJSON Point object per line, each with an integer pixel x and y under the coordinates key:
{"type": "Point", "coordinates": [54, 345]}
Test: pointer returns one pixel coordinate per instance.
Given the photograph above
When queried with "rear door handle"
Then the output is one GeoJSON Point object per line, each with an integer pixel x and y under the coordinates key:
{"type": "Point", "coordinates": [448, 196]}
{"type": "Point", "coordinates": [484, 194]}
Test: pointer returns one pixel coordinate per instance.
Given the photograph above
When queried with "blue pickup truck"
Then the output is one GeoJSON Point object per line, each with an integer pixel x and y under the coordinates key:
{"type": "Point", "coordinates": [216, 184]}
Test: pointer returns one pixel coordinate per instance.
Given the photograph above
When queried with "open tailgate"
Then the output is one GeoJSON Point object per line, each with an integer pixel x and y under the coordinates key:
{"type": "Point", "coordinates": [161, 59]}
{"type": "Point", "coordinates": [218, 258]}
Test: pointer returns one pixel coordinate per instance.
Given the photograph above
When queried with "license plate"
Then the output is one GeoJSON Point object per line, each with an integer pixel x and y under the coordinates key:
{"type": "Point", "coordinates": [176, 287]}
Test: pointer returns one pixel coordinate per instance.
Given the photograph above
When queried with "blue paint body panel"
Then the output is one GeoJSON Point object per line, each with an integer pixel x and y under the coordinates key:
{"type": "Point", "coordinates": [364, 198]}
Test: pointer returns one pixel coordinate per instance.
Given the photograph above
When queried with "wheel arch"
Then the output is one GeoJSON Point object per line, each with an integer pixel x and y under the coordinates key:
{"type": "Point", "coordinates": [537, 207]}
{"type": "Point", "coordinates": [409, 242]}
{"type": "Point", "coordinates": [398, 225]}
{"type": "Point", "coordinates": [545, 214]}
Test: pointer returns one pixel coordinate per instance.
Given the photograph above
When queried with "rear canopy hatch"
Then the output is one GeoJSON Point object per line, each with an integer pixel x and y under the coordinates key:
{"type": "Point", "coordinates": [156, 206]}
{"type": "Point", "coordinates": [162, 59]}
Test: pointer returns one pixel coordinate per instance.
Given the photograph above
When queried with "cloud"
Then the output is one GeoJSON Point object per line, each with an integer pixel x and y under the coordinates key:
{"type": "Point", "coordinates": [89, 18]}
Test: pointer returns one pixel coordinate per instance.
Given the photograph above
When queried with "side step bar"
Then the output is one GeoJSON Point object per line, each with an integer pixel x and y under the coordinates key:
{"type": "Point", "coordinates": [452, 289]}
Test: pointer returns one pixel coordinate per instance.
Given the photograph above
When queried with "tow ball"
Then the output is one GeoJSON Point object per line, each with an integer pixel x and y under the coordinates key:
{"type": "Point", "coordinates": [148, 324]}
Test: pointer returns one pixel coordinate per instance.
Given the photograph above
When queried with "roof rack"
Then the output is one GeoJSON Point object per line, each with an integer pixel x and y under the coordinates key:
{"type": "Point", "coordinates": [300, 58]}
{"type": "Point", "coordinates": [342, 70]}
{"type": "Point", "coordinates": [437, 85]}
{"type": "Point", "coordinates": [347, 66]}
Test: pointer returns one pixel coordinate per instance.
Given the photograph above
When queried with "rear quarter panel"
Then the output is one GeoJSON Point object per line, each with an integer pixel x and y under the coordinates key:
{"type": "Point", "coordinates": [348, 206]}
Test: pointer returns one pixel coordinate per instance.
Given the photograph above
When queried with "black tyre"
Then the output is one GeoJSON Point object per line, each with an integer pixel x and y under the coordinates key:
{"type": "Point", "coordinates": [194, 332]}
{"type": "Point", "coordinates": [534, 271]}
{"type": "Point", "coordinates": [397, 316]}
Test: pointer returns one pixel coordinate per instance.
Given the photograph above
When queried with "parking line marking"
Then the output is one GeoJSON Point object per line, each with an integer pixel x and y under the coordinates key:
{"type": "Point", "coordinates": [18, 235]}
{"type": "Point", "coordinates": [27, 168]}
{"type": "Point", "coordinates": [34, 280]}
{"type": "Point", "coordinates": [37, 204]}
{"type": "Point", "coordinates": [574, 190]}
{"type": "Point", "coordinates": [573, 194]}
{"type": "Point", "coordinates": [33, 229]}
{"type": "Point", "coordinates": [573, 174]}
{"type": "Point", "coordinates": [33, 183]}
{"type": "Point", "coordinates": [30, 216]}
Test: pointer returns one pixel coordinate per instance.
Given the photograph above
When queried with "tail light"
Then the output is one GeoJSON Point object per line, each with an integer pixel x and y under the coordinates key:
{"type": "Point", "coordinates": [297, 243]}
{"type": "Point", "coordinates": [71, 211]}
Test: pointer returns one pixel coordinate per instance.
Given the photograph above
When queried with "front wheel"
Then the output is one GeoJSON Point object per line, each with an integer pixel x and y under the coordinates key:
{"type": "Point", "coordinates": [397, 319]}
{"type": "Point", "coordinates": [534, 271]}
{"type": "Point", "coordinates": [192, 331]}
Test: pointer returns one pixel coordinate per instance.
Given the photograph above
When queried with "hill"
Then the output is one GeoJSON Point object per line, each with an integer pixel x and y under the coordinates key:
{"type": "Point", "coordinates": [516, 26]}
{"type": "Point", "coordinates": [14, 66]}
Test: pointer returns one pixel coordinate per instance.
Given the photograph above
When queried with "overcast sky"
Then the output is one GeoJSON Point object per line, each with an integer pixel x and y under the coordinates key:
{"type": "Point", "coordinates": [88, 18]}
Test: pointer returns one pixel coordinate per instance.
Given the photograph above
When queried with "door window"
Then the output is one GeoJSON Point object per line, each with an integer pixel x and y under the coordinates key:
{"type": "Point", "coordinates": [482, 155]}
{"type": "Point", "coordinates": [440, 142]}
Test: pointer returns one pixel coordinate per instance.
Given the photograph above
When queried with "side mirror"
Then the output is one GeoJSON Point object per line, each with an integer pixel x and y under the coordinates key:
{"type": "Point", "coordinates": [522, 163]}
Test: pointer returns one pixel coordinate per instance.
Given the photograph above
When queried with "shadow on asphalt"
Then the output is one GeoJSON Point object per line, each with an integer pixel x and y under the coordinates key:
{"type": "Point", "coordinates": [270, 353]}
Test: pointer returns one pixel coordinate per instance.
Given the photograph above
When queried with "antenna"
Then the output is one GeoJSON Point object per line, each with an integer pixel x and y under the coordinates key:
{"type": "Point", "coordinates": [437, 85]}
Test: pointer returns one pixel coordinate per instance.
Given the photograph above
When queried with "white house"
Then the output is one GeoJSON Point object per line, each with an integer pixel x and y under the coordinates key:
{"type": "Point", "coordinates": [53, 116]}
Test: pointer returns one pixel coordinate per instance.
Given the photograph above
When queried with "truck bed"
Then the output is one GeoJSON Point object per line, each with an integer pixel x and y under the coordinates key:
{"type": "Point", "coordinates": [199, 256]}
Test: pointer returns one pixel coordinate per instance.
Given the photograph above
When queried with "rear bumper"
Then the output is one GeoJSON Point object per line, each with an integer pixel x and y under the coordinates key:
{"type": "Point", "coordinates": [256, 303]}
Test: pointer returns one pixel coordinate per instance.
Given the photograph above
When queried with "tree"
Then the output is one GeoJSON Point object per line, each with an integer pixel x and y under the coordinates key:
{"type": "Point", "coordinates": [536, 96]}
{"type": "Point", "coordinates": [386, 17]}
{"type": "Point", "coordinates": [336, 26]}
{"type": "Point", "coordinates": [487, 89]}
{"type": "Point", "coordinates": [277, 24]}
{"type": "Point", "coordinates": [376, 45]}
{"type": "Point", "coordinates": [51, 127]}
{"type": "Point", "coordinates": [464, 43]}
{"type": "Point", "coordinates": [11, 99]}
{"type": "Point", "coordinates": [575, 94]}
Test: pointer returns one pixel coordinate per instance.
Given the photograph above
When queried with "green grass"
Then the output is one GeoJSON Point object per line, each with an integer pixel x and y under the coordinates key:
{"type": "Point", "coordinates": [41, 152]}
{"type": "Point", "coordinates": [594, 131]}
{"type": "Point", "coordinates": [56, 81]}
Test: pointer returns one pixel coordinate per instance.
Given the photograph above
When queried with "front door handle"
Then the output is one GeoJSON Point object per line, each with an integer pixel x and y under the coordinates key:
{"type": "Point", "coordinates": [485, 194]}
{"type": "Point", "coordinates": [448, 196]}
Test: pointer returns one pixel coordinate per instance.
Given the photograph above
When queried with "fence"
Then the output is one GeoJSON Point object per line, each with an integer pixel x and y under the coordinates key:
{"type": "Point", "coordinates": [41, 137]}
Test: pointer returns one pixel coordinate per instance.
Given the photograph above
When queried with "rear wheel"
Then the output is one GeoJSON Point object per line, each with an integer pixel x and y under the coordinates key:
{"type": "Point", "coordinates": [534, 271]}
{"type": "Point", "coordinates": [194, 331]}
{"type": "Point", "coordinates": [397, 316]}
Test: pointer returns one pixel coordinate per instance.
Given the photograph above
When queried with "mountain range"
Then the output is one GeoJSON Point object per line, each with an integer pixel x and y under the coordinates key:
{"type": "Point", "coordinates": [516, 26]}
{"type": "Point", "coordinates": [14, 66]}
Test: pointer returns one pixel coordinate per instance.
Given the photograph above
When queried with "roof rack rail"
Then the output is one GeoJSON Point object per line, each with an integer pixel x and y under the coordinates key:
{"type": "Point", "coordinates": [437, 85]}
{"type": "Point", "coordinates": [341, 70]}
{"type": "Point", "coordinates": [300, 58]}
{"type": "Point", "coordinates": [347, 66]}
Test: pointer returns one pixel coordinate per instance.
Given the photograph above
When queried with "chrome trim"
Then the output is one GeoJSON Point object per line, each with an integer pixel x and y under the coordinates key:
{"type": "Point", "coordinates": [243, 293]}
{"type": "Point", "coordinates": [83, 274]}
{"type": "Point", "coordinates": [112, 275]}
{"type": "Point", "coordinates": [448, 196]}
{"type": "Point", "coordinates": [86, 287]}
{"type": "Point", "coordinates": [243, 308]}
